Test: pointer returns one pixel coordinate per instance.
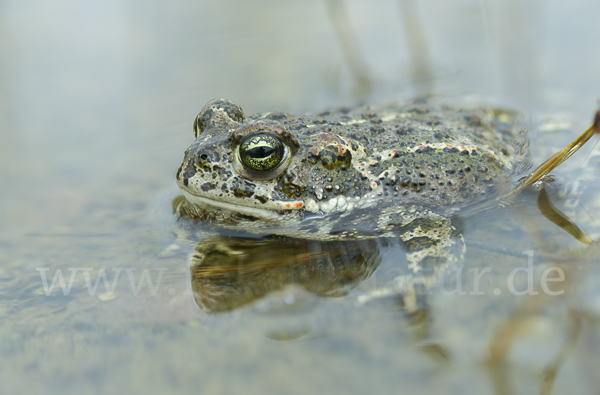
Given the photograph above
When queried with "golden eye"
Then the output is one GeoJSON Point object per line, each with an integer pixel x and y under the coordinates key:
{"type": "Point", "coordinates": [261, 152]}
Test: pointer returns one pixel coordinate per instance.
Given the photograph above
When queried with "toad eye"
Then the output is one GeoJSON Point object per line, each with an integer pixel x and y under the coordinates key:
{"type": "Point", "coordinates": [261, 152]}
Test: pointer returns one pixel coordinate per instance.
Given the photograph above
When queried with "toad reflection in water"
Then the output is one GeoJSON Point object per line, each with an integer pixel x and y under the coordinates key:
{"type": "Point", "coordinates": [230, 272]}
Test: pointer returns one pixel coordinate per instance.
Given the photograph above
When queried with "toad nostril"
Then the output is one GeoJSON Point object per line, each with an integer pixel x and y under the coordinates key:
{"type": "Point", "coordinates": [204, 157]}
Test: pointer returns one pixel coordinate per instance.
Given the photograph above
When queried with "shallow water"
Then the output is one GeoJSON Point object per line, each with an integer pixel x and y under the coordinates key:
{"type": "Point", "coordinates": [96, 107]}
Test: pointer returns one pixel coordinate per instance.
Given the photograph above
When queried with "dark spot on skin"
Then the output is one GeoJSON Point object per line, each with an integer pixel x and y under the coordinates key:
{"type": "Point", "coordinates": [185, 182]}
{"type": "Point", "coordinates": [332, 157]}
{"type": "Point", "coordinates": [438, 135]}
{"type": "Point", "coordinates": [405, 130]}
{"type": "Point", "coordinates": [222, 172]}
{"type": "Point", "coordinates": [450, 150]}
{"type": "Point", "coordinates": [242, 188]}
{"type": "Point", "coordinates": [239, 192]}
{"type": "Point", "coordinates": [424, 150]}
{"type": "Point", "coordinates": [261, 199]}
{"type": "Point", "coordinates": [207, 186]}
{"type": "Point", "coordinates": [482, 168]}
{"type": "Point", "coordinates": [464, 152]}
{"type": "Point", "coordinates": [377, 129]}
{"type": "Point", "coordinates": [290, 185]}
{"type": "Point", "coordinates": [450, 170]}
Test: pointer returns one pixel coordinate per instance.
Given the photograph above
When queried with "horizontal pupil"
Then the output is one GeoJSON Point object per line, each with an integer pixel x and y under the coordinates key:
{"type": "Point", "coordinates": [261, 152]}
